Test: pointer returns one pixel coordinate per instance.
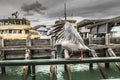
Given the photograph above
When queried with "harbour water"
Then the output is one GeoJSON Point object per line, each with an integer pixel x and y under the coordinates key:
{"type": "Point", "coordinates": [79, 72]}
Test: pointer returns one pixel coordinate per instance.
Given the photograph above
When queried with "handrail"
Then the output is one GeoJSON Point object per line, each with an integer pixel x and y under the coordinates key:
{"type": "Point", "coordinates": [58, 61]}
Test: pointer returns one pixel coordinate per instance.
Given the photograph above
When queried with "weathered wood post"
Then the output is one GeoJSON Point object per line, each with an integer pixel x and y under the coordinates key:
{"type": "Point", "coordinates": [90, 39]}
{"type": "Point", "coordinates": [67, 66]}
{"type": "Point", "coordinates": [53, 56]}
{"type": "Point", "coordinates": [59, 50]}
{"type": "Point", "coordinates": [107, 65]}
{"type": "Point", "coordinates": [100, 66]}
{"type": "Point", "coordinates": [28, 41]}
{"type": "Point", "coordinates": [90, 64]}
{"type": "Point", "coordinates": [28, 44]}
{"type": "Point", "coordinates": [52, 67]}
{"type": "Point", "coordinates": [2, 55]}
{"type": "Point", "coordinates": [107, 39]}
{"type": "Point", "coordinates": [27, 69]}
{"type": "Point", "coordinates": [33, 72]}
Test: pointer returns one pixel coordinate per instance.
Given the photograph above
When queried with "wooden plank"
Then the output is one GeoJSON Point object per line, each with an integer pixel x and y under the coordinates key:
{"type": "Point", "coordinates": [24, 48]}
{"type": "Point", "coordinates": [107, 39]}
{"type": "Point", "coordinates": [102, 70]}
{"type": "Point", "coordinates": [113, 46]}
{"type": "Point", "coordinates": [15, 42]}
{"type": "Point", "coordinates": [112, 54]}
{"type": "Point", "coordinates": [15, 54]}
{"type": "Point", "coordinates": [2, 55]}
{"type": "Point", "coordinates": [28, 40]}
{"type": "Point", "coordinates": [67, 66]}
{"type": "Point", "coordinates": [43, 53]}
{"type": "Point", "coordinates": [38, 42]}
{"type": "Point", "coordinates": [52, 68]}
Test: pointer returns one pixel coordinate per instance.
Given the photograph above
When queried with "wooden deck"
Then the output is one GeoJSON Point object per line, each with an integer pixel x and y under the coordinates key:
{"type": "Point", "coordinates": [16, 49]}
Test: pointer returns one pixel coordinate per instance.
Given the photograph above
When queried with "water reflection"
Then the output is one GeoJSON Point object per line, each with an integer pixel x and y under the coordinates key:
{"type": "Point", "coordinates": [79, 72]}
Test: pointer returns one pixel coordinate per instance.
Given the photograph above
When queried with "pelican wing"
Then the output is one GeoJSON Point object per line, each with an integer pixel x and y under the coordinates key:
{"type": "Point", "coordinates": [72, 34]}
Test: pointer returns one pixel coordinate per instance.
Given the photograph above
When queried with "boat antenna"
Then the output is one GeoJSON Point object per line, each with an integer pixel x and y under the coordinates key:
{"type": "Point", "coordinates": [65, 14]}
{"type": "Point", "coordinates": [15, 14]}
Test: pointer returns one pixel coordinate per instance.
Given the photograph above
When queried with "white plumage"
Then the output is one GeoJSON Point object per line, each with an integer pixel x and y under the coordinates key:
{"type": "Point", "coordinates": [72, 38]}
{"type": "Point", "coordinates": [68, 37]}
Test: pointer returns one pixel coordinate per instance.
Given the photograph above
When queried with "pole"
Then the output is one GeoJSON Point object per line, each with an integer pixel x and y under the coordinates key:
{"type": "Point", "coordinates": [58, 61]}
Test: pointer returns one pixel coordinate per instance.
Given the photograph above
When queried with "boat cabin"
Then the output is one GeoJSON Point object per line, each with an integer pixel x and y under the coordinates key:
{"type": "Point", "coordinates": [17, 29]}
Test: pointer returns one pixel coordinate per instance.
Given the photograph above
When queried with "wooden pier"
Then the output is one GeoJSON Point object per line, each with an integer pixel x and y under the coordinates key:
{"type": "Point", "coordinates": [31, 52]}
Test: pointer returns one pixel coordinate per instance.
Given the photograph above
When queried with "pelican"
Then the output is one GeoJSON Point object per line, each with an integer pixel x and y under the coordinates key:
{"type": "Point", "coordinates": [68, 37]}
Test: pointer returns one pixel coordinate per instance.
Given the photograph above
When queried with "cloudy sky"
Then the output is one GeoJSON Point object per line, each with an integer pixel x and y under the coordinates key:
{"type": "Point", "coordinates": [47, 11]}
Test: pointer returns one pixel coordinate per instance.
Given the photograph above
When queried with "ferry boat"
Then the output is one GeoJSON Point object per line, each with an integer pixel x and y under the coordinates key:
{"type": "Point", "coordinates": [15, 28]}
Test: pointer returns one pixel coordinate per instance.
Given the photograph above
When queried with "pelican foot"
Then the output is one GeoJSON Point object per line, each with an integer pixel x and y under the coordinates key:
{"type": "Point", "coordinates": [81, 58]}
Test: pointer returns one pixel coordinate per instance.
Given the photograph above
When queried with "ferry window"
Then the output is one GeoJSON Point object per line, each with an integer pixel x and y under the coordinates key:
{"type": "Point", "coordinates": [23, 22]}
{"type": "Point", "coordinates": [10, 31]}
{"type": "Point", "coordinates": [26, 31]}
{"type": "Point", "coordinates": [11, 21]}
{"type": "Point", "coordinates": [14, 31]}
{"type": "Point", "coordinates": [17, 21]}
{"type": "Point", "coordinates": [0, 23]}
{"type": "Point", "coordinates": [4, 31]}
{"type": "Point", "coordinates": [6, 23]}
{"type": "Point", "coordinates": [19, 31]}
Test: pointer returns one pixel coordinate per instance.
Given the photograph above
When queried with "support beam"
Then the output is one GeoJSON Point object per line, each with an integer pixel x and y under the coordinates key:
{"type": "Point", "coordinates": [67, 66]}
{"type": "Point", "coordinates": [2, 55]}
{"type": "Point", "coordinates": [100, 66]}
{"type": "Point", "coordinates": [112, 54]}
{"type": "Point", "coordinates": [33, 72]}
{"type": "Point", "coordinates": [58, 61]}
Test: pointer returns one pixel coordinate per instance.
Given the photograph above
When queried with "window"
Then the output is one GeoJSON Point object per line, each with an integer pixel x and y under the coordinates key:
{"type": "Point", "coordinates": [19, 31]}
{"type": "Point", "coordinates": [10, 31]}
{"type": "Point", "coordinates": [5, 31]}
{"type": "Point", "coordinates": [0, 23]}
{"type": "Point", "coordinates": [11, 21]}
{"type": "Point", "coordinates": [14, 31]}
{"type": "Point", "coordinates": [17, 21]}
{"type": "Point", "coordinates": [26, 31]}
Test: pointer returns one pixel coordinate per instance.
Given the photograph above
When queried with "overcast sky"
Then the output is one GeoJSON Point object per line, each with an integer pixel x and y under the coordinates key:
{"type": "Point", "coordinates": [47, 11]}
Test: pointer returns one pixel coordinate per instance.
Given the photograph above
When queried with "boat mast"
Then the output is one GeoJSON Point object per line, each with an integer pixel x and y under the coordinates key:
{"type": "Point", "coordinates": [65, 14]}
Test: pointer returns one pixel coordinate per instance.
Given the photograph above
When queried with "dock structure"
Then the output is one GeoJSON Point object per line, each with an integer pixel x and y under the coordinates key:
{"type": "Point", "coordinates": [112, 54]}
{"type": "Point", "coordinates": [31, 52]}
{"type": "Point", "coordinates": [20, 49]}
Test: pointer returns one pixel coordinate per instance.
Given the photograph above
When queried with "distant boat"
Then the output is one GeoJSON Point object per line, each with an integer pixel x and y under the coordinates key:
{"type": "Point", "coordinates": [15, 28]}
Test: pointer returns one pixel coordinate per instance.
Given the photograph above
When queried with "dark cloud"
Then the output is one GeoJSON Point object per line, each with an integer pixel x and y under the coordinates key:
{"type": "Point", "coordinates": [55, 8]}
{"type": "Point", "coordinates": [30, 9]}
{"type": "Point", "coordinates": [89, 8]}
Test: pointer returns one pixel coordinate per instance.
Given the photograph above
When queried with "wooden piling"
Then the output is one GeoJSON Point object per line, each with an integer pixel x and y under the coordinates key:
{"type": "Point", "coordinates": [52, 67]}
{"type": "Point", "coordinates": [90, 39]}
{"type": "Point", "coordinates": [107, 65]}
{"type": "Point", "coordinates": [107, 39]}
{"type": "Point", "coordinates": [2, 55]}
{"type": "Point", "coordinates": [102, 70]}
{"type": "Point", "coordinates": [67, 66]}
{"type": "Point", "coordinates": [27, 69]}
{"type": "Point", "coordinates": [33, 72]}
{"type": "Point", "coordinates": [28, 44]}
{"type": "Point", "coordinates": [90, 64]}
{"type": "Point", "coordinates": [28, 41]}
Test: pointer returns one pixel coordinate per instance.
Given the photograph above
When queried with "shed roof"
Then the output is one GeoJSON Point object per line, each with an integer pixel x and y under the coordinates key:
{"type": "Point", "coordinates": [116, 19]}
{"type": "Point", "coordinates": [92, 23]}
{"type": "Point", "coordinates": [89, 21]}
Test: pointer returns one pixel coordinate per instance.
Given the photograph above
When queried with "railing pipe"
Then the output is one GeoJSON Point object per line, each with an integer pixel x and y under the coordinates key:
{"type": "Point", "coordinates": [58, 61]}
